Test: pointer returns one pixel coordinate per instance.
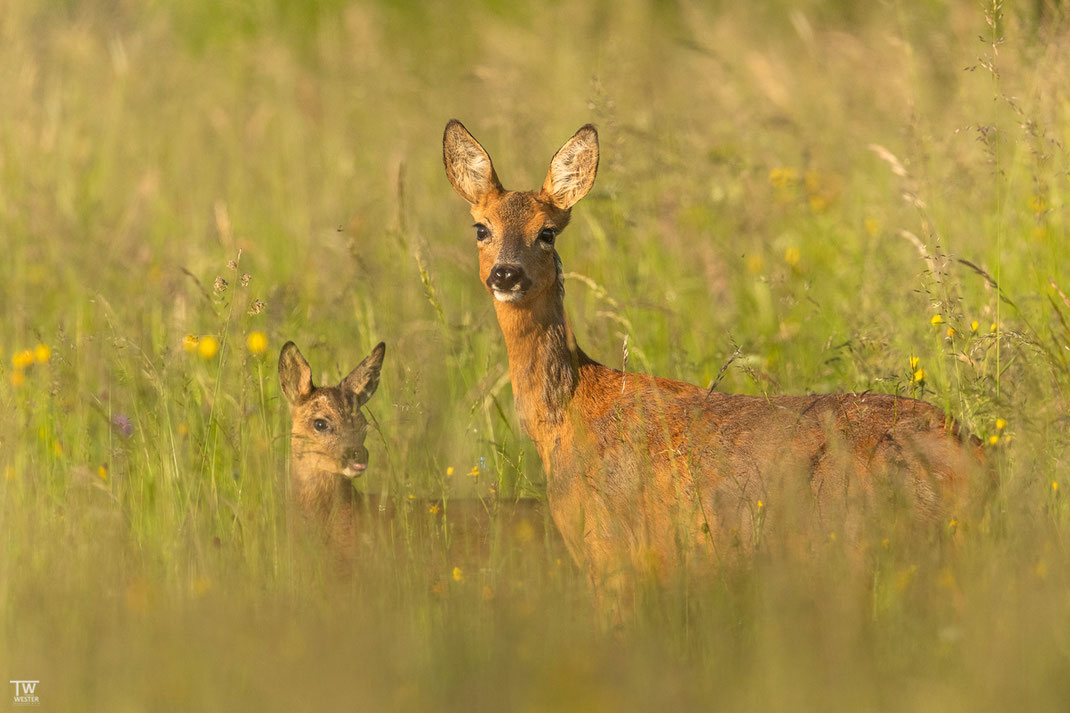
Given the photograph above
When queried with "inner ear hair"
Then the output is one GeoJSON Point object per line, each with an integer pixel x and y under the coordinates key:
{"type": "Point", "coordinates": [363, 381]}
{"type": "Point", "coordinates": [573, 169]}
{"type": "Point", "coordinates": [468, 165]}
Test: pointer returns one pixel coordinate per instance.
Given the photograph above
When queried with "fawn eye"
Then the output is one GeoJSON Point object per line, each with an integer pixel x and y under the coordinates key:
{"type": "Point", "coordinates": [547, 235]}
{"type": "Point", "coordinates": [321, 425]}
{"type": "Point", "coordinates": [482, 233]}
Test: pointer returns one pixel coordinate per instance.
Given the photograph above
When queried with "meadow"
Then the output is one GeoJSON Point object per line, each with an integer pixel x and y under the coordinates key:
{"type": "Point", "coordinates": [832, 196]}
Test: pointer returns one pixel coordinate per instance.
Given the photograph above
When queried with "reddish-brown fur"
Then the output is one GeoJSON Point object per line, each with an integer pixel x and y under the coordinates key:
{"type": "Point", "coordinates": [648, 475]}
{"type": "Point", "coordinates": [326, 458]}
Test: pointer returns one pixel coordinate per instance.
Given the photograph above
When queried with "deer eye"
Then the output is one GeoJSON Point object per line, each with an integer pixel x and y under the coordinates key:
{"type": "Point", "coordinates": [321, 425]}
{"type": "Point", "coordinates": [482, 233]}
{"type": "Point", "coordinates": [547, 235]}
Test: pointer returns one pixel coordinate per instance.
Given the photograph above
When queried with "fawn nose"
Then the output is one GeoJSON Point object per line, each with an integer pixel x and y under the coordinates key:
{"type": "Point", "coordinates": [355, 455]}
{"type": "Point", "coordinates": [354, 461]}
{"type": "Point", "coordinates": [505, 277]}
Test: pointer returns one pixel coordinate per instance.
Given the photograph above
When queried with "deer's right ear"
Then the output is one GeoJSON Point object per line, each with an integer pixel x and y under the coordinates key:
{"type": "Point", "coordinates": [294, 373]}
{"type": "Point", "coordinates": [364, 380]}
{"type": "Point", "coordinates": [468, 165]}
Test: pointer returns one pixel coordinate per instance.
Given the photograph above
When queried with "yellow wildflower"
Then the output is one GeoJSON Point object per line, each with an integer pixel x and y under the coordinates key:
{"type": "Point", "coordinates": [914, 362]}
{"type": "Point", "coordinates": [993, 439]}
{"type": "Point", "coordinates": [919, 376]}
{"type": "Point", "coordinates": [992, 328]}
{"type": "Point", "coordinates": [189, 343]}
{"type": "Point", "coordinates": [42, 353]}
{"type": "Point", "coordinates": [474, 472]}
{"type": "Point", "coordinates": [433, 509]}
{"type": "Point", "coordinates": [22, 359]}
{"type": "Point", "coordinates": [200, 586]}
{"type": "Point", "coordinates": [449, 471]}
{"type": "Point", "coordinates": [1055, 486]}
{"type": "Point", "coordinates": [208, 347]}
{"type": "Point", "coordinates": [102, 473]}
{"type": "Point", "coordinates": [904, 576]}
{"type": "Point", "coordinates": [950, 331]}
{"type": "Point", "coordinates": [937, 319]}
{"type": "Point", "coordinates": [792, 256]}
{"type": "Point", "coordinates": [1041, 570]}
{"type": "Point", "coordinates": [257, 342]}
{"type": "Point", "coordinates": [755, 264]}
{"type": "Point", "coordinates": [974, 325]}
{"type": "Point", "coordinates": [783, 177]}
{"type": "Point", "coordinates": [760, 505]}
{"type": "Point", "coordinates": [1000, 424]}
{"type": "Point", "coordinates": [458, 575]}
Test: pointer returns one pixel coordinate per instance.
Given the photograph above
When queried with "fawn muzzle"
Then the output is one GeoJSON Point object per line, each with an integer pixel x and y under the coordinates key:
{"type": "Point", "coordinates": [354, 463]}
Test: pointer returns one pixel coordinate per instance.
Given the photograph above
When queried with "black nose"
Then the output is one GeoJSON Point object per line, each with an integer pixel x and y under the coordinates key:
{"type": "Point", "coordinates": [505, 277]}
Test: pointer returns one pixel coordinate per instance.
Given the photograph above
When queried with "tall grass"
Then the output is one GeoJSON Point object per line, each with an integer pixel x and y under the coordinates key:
{"type": "Point", "coordinates": [804, 186]}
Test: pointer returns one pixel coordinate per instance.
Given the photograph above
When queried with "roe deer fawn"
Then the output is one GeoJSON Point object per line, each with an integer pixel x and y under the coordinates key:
{"type": "Point", "coordinates": [327, 452]}
{"type": "Point", "coordinates": [646, 475]}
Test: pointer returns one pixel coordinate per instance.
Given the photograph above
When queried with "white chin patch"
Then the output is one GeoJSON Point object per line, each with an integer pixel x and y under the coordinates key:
{"type": "Point", "coordinates": [354, 470]}
{"type": "Point", "coordinates": [507, 296]}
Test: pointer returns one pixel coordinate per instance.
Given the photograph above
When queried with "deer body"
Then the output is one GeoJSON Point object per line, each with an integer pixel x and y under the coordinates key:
{"type": "Point", "coordinates": [327, 452]}
{"type": "Point", "coordinates": [646, 474]}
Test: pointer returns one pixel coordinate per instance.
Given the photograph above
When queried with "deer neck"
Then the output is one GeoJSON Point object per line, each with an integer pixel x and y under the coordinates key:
{"type": "Point", "coordinates": [320, 494]}
{"type": "Point", "coordinates": [543, 363]}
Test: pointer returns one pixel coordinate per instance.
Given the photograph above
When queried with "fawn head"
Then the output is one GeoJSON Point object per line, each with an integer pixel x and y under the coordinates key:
{"type": "Point", "coordinates": [516, 230]}
{"type": "Point", "coordinates": [328, 431]}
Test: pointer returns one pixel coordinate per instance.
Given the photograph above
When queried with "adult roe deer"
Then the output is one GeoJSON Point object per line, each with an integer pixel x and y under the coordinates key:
{"type": "Point", "coordinates": [327, 437]}
{"type": "Point", "coordinates": [646, 474]}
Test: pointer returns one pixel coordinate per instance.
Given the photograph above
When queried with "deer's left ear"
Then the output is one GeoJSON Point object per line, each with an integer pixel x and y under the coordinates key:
{"type": "Point", "coordinates": [573, 169]}
{"type": "Point", "coordinates": [364, 380]}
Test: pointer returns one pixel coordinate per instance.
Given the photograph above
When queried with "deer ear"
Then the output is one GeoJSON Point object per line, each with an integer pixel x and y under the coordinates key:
{"type": "Point", "coordinates": [573, 169]}
{"type": "Point", "coordinates": [468, 165]}
{"type": "Point", "coordinates": [364, 380]}
{"type": "Point", "coordinates": [294, 373]}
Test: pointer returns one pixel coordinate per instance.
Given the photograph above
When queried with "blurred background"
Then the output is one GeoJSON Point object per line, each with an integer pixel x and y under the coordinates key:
{"type": "Point", "coordinates": [845, 196]}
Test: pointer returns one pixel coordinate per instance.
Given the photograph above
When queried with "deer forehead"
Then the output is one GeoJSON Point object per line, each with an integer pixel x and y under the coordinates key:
{"type": "Point", "coordinates": [519, 211]}
{"type": "Point", "coordinates": [328, 402]}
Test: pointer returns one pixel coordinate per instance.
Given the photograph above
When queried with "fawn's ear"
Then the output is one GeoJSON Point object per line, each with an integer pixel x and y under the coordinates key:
{"type": "Point", "coordinates": [364, 380]}
{"type": "Point", "coordinates": [468, 165]}
{"type": "Point", "coordinates": [294, 373]}
{"type": "Point", "coordinates": [572, 169]}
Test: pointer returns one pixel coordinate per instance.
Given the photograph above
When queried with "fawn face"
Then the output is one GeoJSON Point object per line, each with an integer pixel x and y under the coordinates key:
{"type": "Point", "coordinates": [516, 230]}
{"type": "Point", "coordinates": [328, 428]}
